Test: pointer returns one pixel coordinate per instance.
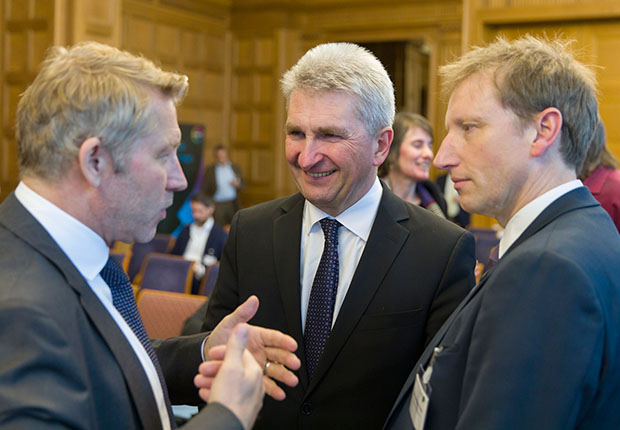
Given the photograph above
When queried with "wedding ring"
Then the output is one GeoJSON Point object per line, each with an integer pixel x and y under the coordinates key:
{"type": "Point", "coordinates": [266, 366]}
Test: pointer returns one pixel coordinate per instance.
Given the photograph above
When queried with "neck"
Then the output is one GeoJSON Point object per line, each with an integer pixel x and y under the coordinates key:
{"type": "Point", "coordinates": [535, 186]}
{"type": "Point", "coordinates": [402, 186]}
{"type": "Point", "coordinates": [70, 195]}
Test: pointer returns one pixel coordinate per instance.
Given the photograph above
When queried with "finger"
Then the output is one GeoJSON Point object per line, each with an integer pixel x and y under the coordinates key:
{"type": "Point", "coordinates": [275, 338]}
{"type": "Point", "coordinates": [217, 353]}
{"type": "Point", "coordinates": [204, 394]}
{"type": "Point", "coordinates": [236, 344]}
{"type": "Point", "coordinates": [280, 373]}
{"type": "Point", "coordinates": [201, 381]}
{"type": "Point", "coordinates": [272, 389]}
{"type": "Point", "coordinates": [244, 312]}
{"type": "Point", "coordinates": [284, 357]}
{"type": "Point", "coordinates": [209, 368]}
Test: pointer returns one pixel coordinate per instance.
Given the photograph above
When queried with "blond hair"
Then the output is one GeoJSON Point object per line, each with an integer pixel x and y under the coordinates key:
{"type": "Point", "coordinates": [88, 90]}
{"type": "Point", "coordinates": [530, 75]}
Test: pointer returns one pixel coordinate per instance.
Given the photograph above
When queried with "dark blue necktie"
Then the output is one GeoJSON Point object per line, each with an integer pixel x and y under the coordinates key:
{"type": "Point", "coordinates": [125, 303]}
{"type": "Point", "coordinates": [322, 297]}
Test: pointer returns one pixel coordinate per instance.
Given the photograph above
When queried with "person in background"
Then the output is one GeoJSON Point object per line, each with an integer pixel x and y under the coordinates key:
{"type": "Point", "coordinates": [454, 211]}
{"type": "Point", "coordinates": [601, 175]}
{"type": "Point", "coordinates": [97, 137]}
{"type": "Point", "coordinates": [359, 277]}
{"type": "Point", "coordinates": [536, 344]}
{"type": "Point", "coordinates": [406, 169]}
{"type": "Point", "coordinates": [223, 181]}
{"type": "Point", "coordinates": [203, 240]}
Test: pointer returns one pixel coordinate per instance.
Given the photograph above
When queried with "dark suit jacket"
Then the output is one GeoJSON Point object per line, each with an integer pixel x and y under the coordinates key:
{"type": "Point", "coordinates": [215, 242]}
{"type": "Point", "coordinates": [64, 363]}
{"type": "Point", "coordinates": [415, 269]}
{"type": "Point", "coordinates": [537, 344]}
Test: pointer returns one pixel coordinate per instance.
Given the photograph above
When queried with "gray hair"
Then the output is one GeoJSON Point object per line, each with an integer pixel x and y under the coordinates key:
{"type": "Point", "coordinates": [532, 74]}
{"type": "Point", "coordinates": [350, 68]}
{"type": "Point", "coordinates": [88, 90]}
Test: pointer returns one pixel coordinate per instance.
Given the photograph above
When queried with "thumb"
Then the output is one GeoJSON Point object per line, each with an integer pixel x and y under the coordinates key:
{"type": "Point", "coordinates": [237, 343]}
{"type": "Point", "coordinates": [245, 311]}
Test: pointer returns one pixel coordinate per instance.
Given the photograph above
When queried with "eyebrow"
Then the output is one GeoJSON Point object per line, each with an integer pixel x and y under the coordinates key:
{"type": "Point", "coordinates": [337, 131]}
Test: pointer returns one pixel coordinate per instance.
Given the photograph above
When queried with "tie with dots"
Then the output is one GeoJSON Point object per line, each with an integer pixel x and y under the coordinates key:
{"type": "Point", "coordinates": [322, 297]}
{"type": "Point", "coordinates": [125, 303]}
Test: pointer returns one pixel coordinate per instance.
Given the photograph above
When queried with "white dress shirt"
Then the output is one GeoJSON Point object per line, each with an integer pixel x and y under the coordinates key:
{"type": "Point", "coordinates": [89, 253]}
{"type": "Point", "coordinates": [356, 222]}
{"type": "Point", "coordinates": [528, 213]}
{"type": "Point", "coordinates": [198, 237]}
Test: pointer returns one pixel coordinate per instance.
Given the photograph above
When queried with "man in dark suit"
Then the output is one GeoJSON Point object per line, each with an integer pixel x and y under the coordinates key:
{"type": "Point", "coordinates": [536, 345]}
{"type": "Point", "coordinates": [203, 240]}
{"type": "Point", "coordinates": [223, 181]}
{"type": "Point", "coordinates": [360, 278]}
{"type": "Point", "coordinates": [97, 134]}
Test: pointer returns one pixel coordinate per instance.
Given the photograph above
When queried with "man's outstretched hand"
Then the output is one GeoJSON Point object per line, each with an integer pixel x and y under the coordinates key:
{"type": "Point", "coordinates": [264, 345]}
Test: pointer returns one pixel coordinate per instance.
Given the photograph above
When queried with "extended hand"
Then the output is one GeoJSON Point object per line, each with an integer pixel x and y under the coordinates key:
{"type": "Point", "coordinates": [264, 344]}
{"type": "Point", "coordinates": [238, 382]}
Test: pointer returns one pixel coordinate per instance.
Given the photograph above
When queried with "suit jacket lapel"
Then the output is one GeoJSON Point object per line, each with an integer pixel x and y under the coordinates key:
{"type": "Point", "coordinates": [19, 220]}
{"type": "Point", "coordinates": [385, 241]}
{"type": "Point", "coordinates": [576, 199]}
{"type": "Point", "coordinates": [287, 254]}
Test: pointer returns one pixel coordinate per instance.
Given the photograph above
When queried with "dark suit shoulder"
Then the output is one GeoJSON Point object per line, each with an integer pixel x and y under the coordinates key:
{"type": "Point", "coordinates": [271, 209]}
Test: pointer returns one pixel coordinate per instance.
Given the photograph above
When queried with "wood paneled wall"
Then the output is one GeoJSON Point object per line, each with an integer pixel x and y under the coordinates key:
{"type": "Point", "coordinates": [273, 35]}
{"type": "Point", "coordinates": [594, 25]}
{"type": "Point", "coordinates": [26, 31]}
{"type": "Point", "coordinates": [235, 51]}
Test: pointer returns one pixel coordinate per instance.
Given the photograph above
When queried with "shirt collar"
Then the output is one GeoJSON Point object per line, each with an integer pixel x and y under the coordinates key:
{"type": "Point", "coordinates": [208, 224]}
{"type": "Point", "coordinates": [86, 249]}
{"type": "Point", "coordinates": [528, 213]}
{"type": "Point", "coordinates": [358, 218]}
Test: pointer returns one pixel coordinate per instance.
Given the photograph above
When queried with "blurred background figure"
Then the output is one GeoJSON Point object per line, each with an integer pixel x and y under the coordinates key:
{"type": "Point", "coordinates": [406, 169]}
{"type": "Point", "coordinates": [454, 211]}
{"type": "Point", "coordinates": [201, 241]}
{"type": "Point", "coordinates": [223, 181]}
{"type": "Point", "coordinates": [601, 175]}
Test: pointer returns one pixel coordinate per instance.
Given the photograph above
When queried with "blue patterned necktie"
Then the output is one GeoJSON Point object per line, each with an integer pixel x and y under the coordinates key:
{"type": "Point", "coordinates": [125, 303]}
{"type": "Point", "coordinates": [322, 297]}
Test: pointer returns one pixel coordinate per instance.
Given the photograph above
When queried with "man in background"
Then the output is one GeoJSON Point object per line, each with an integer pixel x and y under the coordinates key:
{"type": "Point", "coordinates": [360, 278]}
{"type": "Point", "coordinates": [201, 241]}
{"type": "Point", "coordinates": [223, 181]}
{"type": "Point", "coordinates": [97, 137]}
{"type": "Point", "coordinates": [536, 345]}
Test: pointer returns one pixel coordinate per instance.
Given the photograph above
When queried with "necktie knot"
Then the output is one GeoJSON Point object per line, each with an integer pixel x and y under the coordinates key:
{"type": "Point", "coordinates": [330, 229]}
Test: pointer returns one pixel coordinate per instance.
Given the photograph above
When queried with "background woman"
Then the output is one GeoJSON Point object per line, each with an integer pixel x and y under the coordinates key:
{"type": "Point", "coordinates": [406, 169]}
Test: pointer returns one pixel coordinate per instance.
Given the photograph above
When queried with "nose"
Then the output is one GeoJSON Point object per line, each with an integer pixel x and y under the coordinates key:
{"type": "Point", "coordinates": [176, 177]}
{"type": "Point", "coordinates": [427, 152]}
{"type": "Point", "coordinates": [445, 157]}
{"type": "Point", "coordinates": [309, 154]}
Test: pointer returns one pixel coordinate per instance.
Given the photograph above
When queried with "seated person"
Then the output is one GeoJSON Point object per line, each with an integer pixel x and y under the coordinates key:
{"type": "Point", "coordinates": [201, 241]}
{"type": "Point", "coordinates": [601, 175]}
{"type": "Point", "coordinates": [406, 168]}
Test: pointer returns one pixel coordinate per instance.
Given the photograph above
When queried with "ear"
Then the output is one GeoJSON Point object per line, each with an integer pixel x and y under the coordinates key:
{"type": "Point", "coordinates": [383, 140]}
{"type": "Point", "coordinates": [548, 126]}
{"type": "Point", "coordinates": [93, 161]}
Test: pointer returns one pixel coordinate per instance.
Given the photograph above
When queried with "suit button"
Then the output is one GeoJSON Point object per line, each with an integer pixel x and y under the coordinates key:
{"type": "Point", "coordinates": [306, 408]}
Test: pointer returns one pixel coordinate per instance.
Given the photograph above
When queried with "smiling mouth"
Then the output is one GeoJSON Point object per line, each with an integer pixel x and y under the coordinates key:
{"type": "Point", "coordinates": [319, 174]}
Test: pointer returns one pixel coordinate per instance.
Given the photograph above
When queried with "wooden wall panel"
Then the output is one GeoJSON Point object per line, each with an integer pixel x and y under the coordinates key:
{"type": "Point", "coordinates": [593, 24]}
{"type": "Point", "coordinates": [270, 36]}
{"type": "Point", "coordinates": [26, 30]}
{"type": "Point", "coordinates": [192, 38]}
